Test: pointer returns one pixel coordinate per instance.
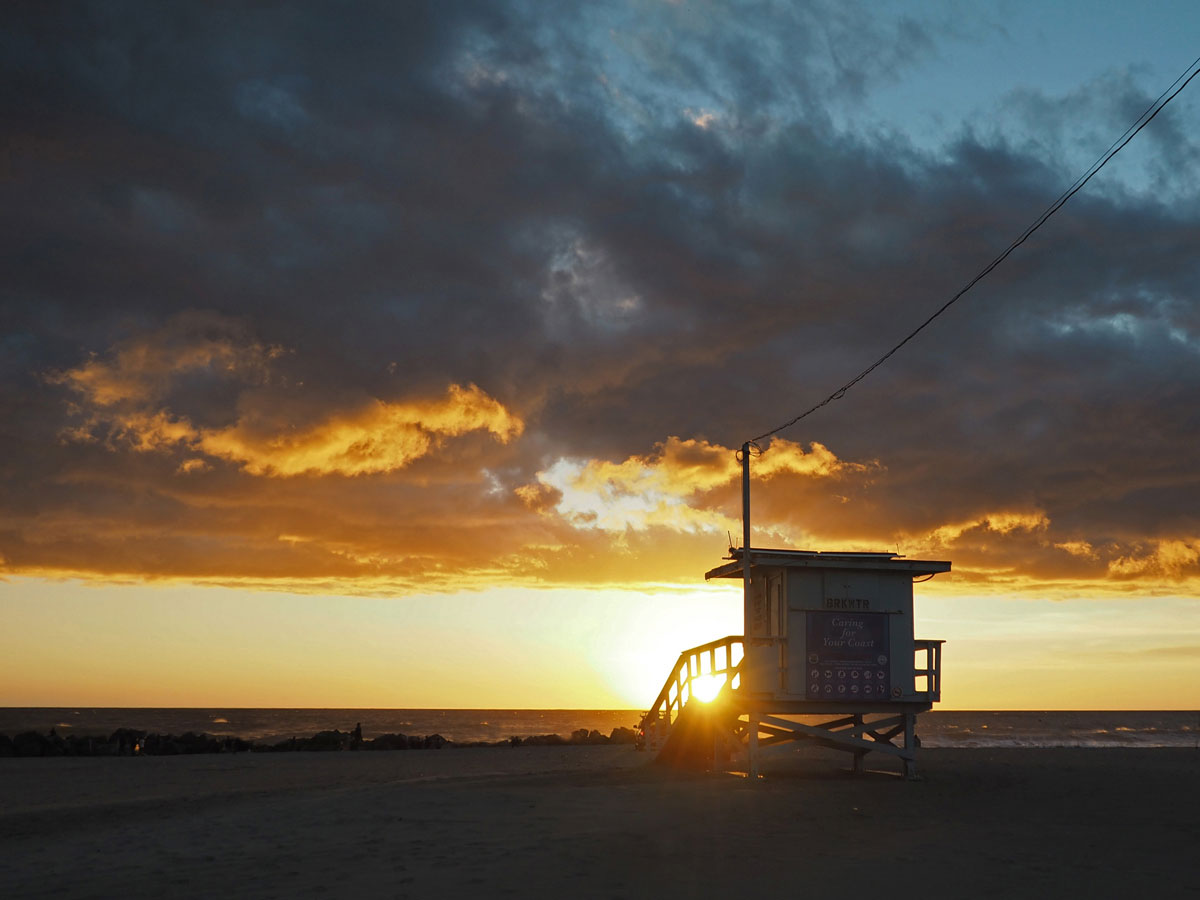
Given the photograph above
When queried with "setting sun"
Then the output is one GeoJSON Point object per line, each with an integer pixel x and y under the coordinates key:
{"type": "Point", "coordinates": [705, 688]}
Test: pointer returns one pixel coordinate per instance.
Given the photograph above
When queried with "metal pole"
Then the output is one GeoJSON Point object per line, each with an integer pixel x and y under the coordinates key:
{"type": "Point", "coordinates": [748, 620]}
{"type": "Point", "coordinates": [747, 611]}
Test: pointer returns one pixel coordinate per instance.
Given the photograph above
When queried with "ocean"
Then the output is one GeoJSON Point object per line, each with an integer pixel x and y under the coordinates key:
{"type": "Point", "coordinates": [938, 728]}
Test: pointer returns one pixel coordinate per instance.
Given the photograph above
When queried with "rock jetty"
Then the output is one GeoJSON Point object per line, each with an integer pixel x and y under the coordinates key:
{"type": "Point", "coordinates": [131, 742]}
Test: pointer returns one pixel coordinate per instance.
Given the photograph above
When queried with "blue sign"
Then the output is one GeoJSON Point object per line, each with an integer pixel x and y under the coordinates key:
{"type": "Point", "coordinates": [849, 657]}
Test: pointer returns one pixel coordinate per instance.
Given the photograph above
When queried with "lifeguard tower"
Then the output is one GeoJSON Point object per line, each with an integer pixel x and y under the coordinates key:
{"type": "Point", "coordinates": [826, 634]}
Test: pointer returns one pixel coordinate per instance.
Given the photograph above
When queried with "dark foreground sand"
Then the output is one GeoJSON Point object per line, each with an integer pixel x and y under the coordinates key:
{"type": "Point", "coordinates": [600, 822]}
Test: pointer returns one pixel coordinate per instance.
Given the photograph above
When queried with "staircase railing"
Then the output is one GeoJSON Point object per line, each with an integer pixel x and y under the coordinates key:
{"type": "Point", "coordinates": [717, 662]}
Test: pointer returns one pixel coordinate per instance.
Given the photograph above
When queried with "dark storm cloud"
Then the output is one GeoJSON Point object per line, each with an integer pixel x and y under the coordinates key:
{"type": "Point", "coordinates": [328, 258]}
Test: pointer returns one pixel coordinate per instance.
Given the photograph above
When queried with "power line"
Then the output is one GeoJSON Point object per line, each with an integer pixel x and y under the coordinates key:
{"type": "Point", "coordinates": [1116, 147]}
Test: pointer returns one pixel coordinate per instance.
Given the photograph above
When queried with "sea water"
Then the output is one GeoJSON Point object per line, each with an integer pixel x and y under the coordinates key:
{"type": "Point", "coordinates": [939, 728]}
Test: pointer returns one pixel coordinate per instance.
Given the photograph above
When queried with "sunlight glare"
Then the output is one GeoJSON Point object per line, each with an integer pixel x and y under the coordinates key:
{"type": "Point", "coordinates": [706, 687]}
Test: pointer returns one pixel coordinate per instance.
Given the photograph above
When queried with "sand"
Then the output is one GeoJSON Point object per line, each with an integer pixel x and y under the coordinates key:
{"type": "Point", "coordinates": [600, 822]}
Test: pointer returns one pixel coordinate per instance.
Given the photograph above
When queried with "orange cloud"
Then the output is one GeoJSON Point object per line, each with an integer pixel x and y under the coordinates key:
{"type": "Point", "coordinates": [786, 458]}
{"type": "Point", "coordinates": [1079, 548]}
{"type": "Point", "coordinates": [1002, 522]}
{"type": "Point", "coordinates": [140, 369]}
{"type": "Point", "coordinates": [1169, 559]}
{"type": "Point", "coordinates": [200, 393]}
{"type": "Point", "coordinates": [674, 487]}
{"type": "Point", "coordinates": [123, 397]}
{"type": "Point", "coordinates": [154, 430]}
{"type": "Point", "coordinates": [380, 437]}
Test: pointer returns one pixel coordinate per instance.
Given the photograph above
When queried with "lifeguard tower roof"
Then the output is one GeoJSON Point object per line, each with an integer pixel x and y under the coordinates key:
{"type": "Point", "coordinates": [816, 559]}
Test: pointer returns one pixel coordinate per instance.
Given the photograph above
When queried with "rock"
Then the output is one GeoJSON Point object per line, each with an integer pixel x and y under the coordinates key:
{"type": "Point", "coordinates": [623, 736]}
{"type": "Point", "coordinates": [389, 742]}
{"type": "Point", "coordinates": [281, 747]}
{"type": "Point", "coordinates": [30, 743]}
{"type": "Point", "coordinates": [327, 740]}
{"type": "Point", "coordinates": [198, 743]}
{"type": "Point", "coordinates": [544, 740]}
{"type": "Point", "coordinates": [321, 741]}
{"type": "Point", "coordinates": [83, 744]}
{"type": "Point", "coordinates": [128, 741]}
{"type": "Point", "coordinates": [160, 745]}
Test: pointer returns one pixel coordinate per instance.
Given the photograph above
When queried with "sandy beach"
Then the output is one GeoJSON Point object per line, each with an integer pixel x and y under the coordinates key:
{"type": "Point", "coordinates": [599, 822]}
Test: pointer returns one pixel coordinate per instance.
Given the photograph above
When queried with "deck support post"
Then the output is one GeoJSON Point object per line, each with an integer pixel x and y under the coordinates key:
{"type": "Point", "coordinates": [857, 731]}
{"type": "Point", "coordinates": [910, 746]}
{"type": "Point", "coordinates": [752, 745]}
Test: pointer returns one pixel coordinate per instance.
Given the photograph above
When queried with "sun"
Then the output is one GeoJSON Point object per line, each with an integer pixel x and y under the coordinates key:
{"type": "Point", "coordinates": [706, 687]}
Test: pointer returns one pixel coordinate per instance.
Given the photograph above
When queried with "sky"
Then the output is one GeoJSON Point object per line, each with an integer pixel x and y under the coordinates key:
{"type": "Point", "coordinates": [395, 355]}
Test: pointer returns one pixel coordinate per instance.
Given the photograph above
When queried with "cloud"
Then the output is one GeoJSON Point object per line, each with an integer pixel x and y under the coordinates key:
{"type": "Point", "coordinates": [457, 294]}
{"type": "Point", "coordinates": [681, 485]}
{"type": "Point", "coordinates": [120, 395]}
{"type": "Point", "coordinates": [141, 370]}
{"type": "Point", "coordinates": [381, 437]}
{"type": "Point", "coordinates": [1173, 559]}
{"type": "Point", "coordinates": [996, 523]}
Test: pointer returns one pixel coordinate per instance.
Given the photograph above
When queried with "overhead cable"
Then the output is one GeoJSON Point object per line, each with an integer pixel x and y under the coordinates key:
{"type": "Point", "coordinates": [1119, 144]}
